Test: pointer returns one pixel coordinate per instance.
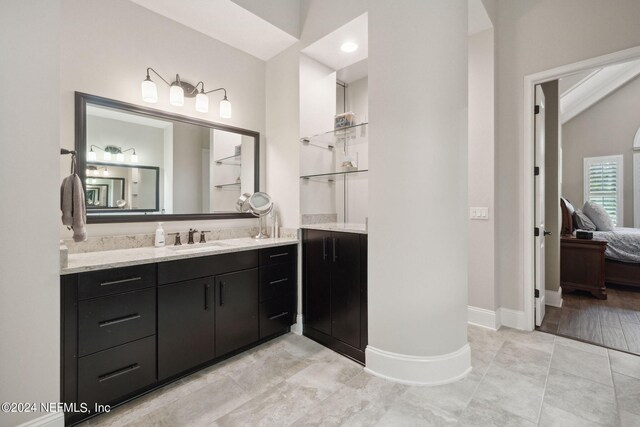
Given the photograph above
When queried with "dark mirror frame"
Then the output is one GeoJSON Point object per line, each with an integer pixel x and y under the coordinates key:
{"type": "Point", "coordinates": [81, 101]}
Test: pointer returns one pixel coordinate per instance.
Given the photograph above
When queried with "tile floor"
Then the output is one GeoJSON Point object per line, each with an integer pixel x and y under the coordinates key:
{"type": "Point", "coordinates": [518, 379]}
{"type": "Point", "coordinates": [614, 322]}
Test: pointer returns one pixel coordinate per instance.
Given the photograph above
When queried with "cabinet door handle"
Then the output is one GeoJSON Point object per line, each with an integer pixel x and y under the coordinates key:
{"type": "Point", "coordinates": [119, 372]}
{"type": "Point", "coordinates": [335, 252]}
{"type": "Point", "coordinates": [277, 316]}
{"type": "Point", "coordinates": [119, 320]}
{"type": "Point", "coordinates": [207, 289]}
{"type": "Point", "coordinates": [324, 248]}
{"type": "Point", "coordinates": [278, 281]}
{"type": "Point", "coordinates": [116, 282]}
{"type": "Point", "coordinates": [279, 255]}
{"type": "Point", "coordinates": [221, 292]}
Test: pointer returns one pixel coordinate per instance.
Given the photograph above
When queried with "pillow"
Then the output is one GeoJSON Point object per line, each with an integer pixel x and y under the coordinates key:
{"type": "Point", "coordinates": [598, 216]}
{"type": "Point", "coordinates": [569, 206]}
{"type": "Point", "coordinates": [582, 221]}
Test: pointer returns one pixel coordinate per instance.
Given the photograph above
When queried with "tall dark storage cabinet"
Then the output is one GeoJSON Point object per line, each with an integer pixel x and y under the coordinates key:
{"type": "Point", "coordinates": [335, 290]}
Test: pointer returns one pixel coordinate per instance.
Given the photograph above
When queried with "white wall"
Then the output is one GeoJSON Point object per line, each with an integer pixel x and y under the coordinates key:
{"type": "Point", "coordinates": [317, 111]}
{"type": "Point", "coordinates": [30, 214]}
{"type": "Point", "coordinates": [533, 36]}
{"type": "Point", "coordinates": [417, 248]}
{"type": "Point", "coordinates": [607, 128]}
{"type": "Point", "coordinates": [106, 47]}
{"type": "Point", "coordinates": [482, 283]}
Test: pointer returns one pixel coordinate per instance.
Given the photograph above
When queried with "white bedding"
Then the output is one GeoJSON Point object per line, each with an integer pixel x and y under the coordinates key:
{"type": "Point", "coordinates": [623, 244]}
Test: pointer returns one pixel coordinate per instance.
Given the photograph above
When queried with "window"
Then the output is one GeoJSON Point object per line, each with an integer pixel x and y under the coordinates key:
{"type": "Point", "coordinates": [603, 184]}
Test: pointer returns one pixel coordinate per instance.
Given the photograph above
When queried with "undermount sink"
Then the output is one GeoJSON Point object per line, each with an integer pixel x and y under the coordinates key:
{"type": "Point", "coordinates": [196, 246]}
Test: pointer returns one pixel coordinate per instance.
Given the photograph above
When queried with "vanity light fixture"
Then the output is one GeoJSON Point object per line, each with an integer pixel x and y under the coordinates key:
{"type": "Point", "coordinates": [180, 89]}
{"type": "Point", "coordinates": [109, 150]}
{"type": "Point", "coordinates": [349, 47]}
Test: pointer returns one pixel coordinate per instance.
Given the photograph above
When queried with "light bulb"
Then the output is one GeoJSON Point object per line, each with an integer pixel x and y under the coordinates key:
{"type": "Point", "coordinates": [134, 158]}
{"type": "Point", "coordinates": [149, 91]}
{"type": "Point", "coordinates": [91, 156]}
{"type": "Point", "coordinates": [105, 172]}
{"type": "Point", "coordinates": [120, 157]}
{"type": "Point", "coordinates": [349, 47]}
{"type": "Point", "coordinates": [107, 155]}
{"type": "Point", "coordinates": [202, 102]}
{"type": "Point", "coordinates": [176, 95]}
{"type": "Point", "coordinates": [225, 108]}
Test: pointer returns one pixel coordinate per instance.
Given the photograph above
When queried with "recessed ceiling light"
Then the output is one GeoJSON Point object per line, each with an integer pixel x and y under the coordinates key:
{"type": "Point", "coordinates": [349, 47]}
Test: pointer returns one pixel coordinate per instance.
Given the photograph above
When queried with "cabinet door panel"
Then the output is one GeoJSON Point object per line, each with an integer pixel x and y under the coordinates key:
{"type": "Point", "coordinates": [185, 325]}
{"type": "Point", "coordinates": [317, 271]}
{"type": "Point", "coordinates": [237, 309]}
{"type": "Point", "coordinates": [345, 288]}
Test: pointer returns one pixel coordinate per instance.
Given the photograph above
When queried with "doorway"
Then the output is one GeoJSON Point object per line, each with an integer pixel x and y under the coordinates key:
{"type": "Point", "coordinates": [604, 315]}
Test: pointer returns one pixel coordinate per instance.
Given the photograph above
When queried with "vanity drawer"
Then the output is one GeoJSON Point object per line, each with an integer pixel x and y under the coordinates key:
{"type": "Point", "coordinates": [279, 254]}
{"type": "Point", "coordinates": [115, 280]}
{"type": "Point", "coordinates": [276, 315]}
{"type": "Point", "coordinates": [108, 375]}
{"type": "Point", "coordinates": [194, 268]}
{"type": "Point", "coordinates": [116, 319]}
{"type": "Point", "coordinates": [276, 280]}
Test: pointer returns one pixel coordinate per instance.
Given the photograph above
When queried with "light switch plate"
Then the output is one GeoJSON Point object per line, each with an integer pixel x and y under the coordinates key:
{"type": "Point", "coordinates": [478, 213]}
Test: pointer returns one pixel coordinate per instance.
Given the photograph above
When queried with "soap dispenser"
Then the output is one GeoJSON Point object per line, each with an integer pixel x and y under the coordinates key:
{"type": "Point", "coordinates": [159, 236]}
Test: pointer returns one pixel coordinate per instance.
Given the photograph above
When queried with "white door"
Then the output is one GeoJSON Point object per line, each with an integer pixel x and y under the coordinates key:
{"type": "Point", "coordinates": [539, 205]}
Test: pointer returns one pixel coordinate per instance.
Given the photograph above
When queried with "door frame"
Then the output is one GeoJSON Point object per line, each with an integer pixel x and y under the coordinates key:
{"type": "Point", "coordinates": [530, 81]}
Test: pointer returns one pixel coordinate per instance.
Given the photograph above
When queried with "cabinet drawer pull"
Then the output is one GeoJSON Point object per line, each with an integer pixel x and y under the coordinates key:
{"type": "Point", "coordinates": [279, 281]}
{"type": "Point", "coordinates": [324, 248]}
{"type": "Point", "coordinates": [119, 320]}
{"type": "Point", "coordinates": [119, 372]}
{"type": "Point", "coordinates": [279, 255]}
{"type": "Point", "coordinates": [116, 282]}
{"type": "Point", "coordinates": [284, 313]}
{"type": "Point", "coordinates": [221, 292]}
{"type": "Point", "coordinates": [207, 288]}
{"type": "Point", "coordinates": [335, 251]}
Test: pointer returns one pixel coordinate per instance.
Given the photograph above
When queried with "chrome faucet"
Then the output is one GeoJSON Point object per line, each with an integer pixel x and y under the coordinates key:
{"type": "Point", "coordinates": [192, 231]}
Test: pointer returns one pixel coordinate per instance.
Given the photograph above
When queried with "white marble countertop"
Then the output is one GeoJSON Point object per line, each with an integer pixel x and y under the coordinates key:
{"type": "Point", "coordinates": [344, 227]}
{"type": "Point", "coordinates": [91, 261]}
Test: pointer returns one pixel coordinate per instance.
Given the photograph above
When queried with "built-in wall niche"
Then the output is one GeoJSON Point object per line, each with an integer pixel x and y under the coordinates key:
{"type": "Point", "coordinates": [141, 164]}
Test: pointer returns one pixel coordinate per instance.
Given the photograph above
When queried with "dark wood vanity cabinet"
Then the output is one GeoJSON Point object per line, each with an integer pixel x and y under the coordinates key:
{"type": "Point", "coordinates": [128, 330]}
{"type": "Point", "coordinates": [185, 306]}
{"type": "Point", "coordinates": [335, 290]}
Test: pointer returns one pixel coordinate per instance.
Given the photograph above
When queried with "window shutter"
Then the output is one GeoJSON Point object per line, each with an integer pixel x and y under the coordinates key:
{"type": "Point", "coordinates": [603, 186]}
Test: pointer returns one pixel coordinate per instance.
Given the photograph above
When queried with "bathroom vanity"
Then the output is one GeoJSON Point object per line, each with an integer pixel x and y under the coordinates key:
{"type": "Point", "coordinates": [128, 329]}
{"type": "Point", "coordinates": [335, 287]}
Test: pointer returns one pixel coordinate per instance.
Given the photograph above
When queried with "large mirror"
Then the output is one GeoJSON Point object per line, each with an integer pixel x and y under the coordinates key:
{"type": "Point", "coordinates": [140, 164]}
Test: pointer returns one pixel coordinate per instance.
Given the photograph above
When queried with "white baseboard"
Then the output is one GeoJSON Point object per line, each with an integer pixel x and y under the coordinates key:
{"type": "Point", "coordinates": [296, 328]}
{"type": "Point", "coordinates": [419, 370]}
{"type": "Point", "coordinates": [483, 317]}
{"type": "Point", "coordinates": [54, 419]}
{"type": "Point", "coordinates": [511, 318]}
{"type": "Point", "coordinates": [553, 298]}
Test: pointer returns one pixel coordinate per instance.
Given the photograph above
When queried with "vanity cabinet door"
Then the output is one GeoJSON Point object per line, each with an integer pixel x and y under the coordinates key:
{"type": "Point", "coordinates": [186, 328]}
{"type": "Point", "coordinates": [345, 288]}
{"type": "Point", "coordinates": [317, 269]}
{"type": "Point", "coordinates": [237, 309]}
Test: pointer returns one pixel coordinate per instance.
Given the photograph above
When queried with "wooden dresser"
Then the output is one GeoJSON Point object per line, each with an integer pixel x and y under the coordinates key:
{"type": "Point", "coordinates": [582, 266]}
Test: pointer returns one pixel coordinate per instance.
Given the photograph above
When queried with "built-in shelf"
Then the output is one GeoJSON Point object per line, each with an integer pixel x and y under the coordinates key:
{"type": "Point", "coordinates": [231, 160]}
{"type": "Point", "coordinates": [335, 137]}
{"type": "Point", "coordinates": [230, 185]}
{"type": "Point", "coordinates": [330, 177]}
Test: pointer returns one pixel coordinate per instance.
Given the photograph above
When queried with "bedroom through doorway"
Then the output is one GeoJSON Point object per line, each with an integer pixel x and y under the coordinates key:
{"type": "Point", "coordinates": [587, 205]}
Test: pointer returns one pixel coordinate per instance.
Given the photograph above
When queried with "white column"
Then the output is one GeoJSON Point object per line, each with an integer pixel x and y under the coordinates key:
{"type": "Point", "coordinates": [418, 226]}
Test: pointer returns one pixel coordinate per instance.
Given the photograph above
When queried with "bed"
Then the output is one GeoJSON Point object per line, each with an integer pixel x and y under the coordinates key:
{"type": "Point", "coordinates": [622, 254]}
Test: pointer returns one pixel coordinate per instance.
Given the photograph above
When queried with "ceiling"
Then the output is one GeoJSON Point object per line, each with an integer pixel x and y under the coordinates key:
{"type": "Point", "coordinates": [108, 113]}
{"type": "Point", "coordinates": [327, 49]}
{"type": "Point", "coordinates": [582, 90]}
{"type": "Point", "coordinates": [227, 22]}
